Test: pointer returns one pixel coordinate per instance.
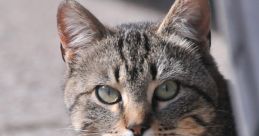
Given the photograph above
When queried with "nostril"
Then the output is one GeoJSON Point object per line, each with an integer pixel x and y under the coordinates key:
{"type": "Point", "coordinates": [144, 128]}
{"type": "Point", "coordinates": [138, 130]}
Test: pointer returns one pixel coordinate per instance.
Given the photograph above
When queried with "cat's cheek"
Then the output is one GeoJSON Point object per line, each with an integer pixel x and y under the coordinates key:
{"type": "Point", "coordinates": [76, 119]}
{"type": "Point", "coordinates": [188, 126]}
{"type": "Point", "coordinates": [163, 105]}
{"type": "Point", "coordinates": [127, 133]}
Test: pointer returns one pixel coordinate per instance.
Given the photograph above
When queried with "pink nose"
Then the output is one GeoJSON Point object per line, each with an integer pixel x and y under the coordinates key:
{"type": "Point", "coordinates": [138, 130]}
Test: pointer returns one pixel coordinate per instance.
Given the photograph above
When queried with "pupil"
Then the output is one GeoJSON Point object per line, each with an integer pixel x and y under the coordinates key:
{"type": "Point", "coordinates": [166, 88]}
{"type": "Point", "coordinates": [109, 92]}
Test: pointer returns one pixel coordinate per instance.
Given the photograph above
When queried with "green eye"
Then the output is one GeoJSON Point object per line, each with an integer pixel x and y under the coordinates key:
{"type": "Point", "coordinates": [166, 91]}
{"type": "Point", "coordinates": [107, 95]}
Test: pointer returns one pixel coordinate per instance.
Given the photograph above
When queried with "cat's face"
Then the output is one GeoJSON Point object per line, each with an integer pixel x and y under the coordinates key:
{"type": "Point", "coordinates": [141, 79]}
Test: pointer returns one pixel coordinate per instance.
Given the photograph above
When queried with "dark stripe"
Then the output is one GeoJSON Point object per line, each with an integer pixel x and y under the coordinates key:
{"type": "Point", "coordinates": [147, 45]}
{"type": "Point", "coordinates": [133, 73]}
{"type": "Point", "coordinates": [201, 93]}
{"type": "Point", "coordinates": [86, 125]}
{"type": "Point", "coordinates": [209, 39]}
{"type": "Point", "coordinates": [120, 47]}
{"type": "Point", "coordinates": [76, 100]}
{"type": "Point", "coordinates": [62, 52]}
{"type": "Point", "coordinates": [198, 120]}
{"type": "Point", "coordinates": [133, 37]}
{"type": "Point", "coordinates": [136, 35]}
{"type": "Point", "coordinates": [117, 74]}
{"type": "Point", "coordinates": [153, 71]}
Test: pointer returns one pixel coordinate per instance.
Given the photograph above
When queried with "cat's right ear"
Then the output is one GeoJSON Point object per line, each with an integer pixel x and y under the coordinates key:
{"type": "Point", "coordinates": [77, 27]}
{"type": "Point", "coordinates": [188, 18]}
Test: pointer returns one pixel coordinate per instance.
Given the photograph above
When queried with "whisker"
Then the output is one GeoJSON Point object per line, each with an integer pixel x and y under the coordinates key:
{"type": "Point", "coordinates": [212, 126]}
{"type": "Point", "coordinates": [177, 134]}
{"type": "Point", "coordinates": [224, 111]}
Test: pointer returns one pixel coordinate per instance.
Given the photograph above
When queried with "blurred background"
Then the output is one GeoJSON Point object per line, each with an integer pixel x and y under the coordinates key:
{"type": "Point", "coordinates": [31, 67]}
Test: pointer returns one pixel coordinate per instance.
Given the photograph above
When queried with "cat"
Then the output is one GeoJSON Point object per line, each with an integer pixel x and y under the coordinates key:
{"type": "Point", "coordinates": [143, 79]}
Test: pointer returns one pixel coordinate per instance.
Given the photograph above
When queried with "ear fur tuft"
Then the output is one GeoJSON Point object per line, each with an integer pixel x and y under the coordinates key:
{"type": "Point", "coordinates": [188, 18]}
{"type": "Point", "coordinates": [77, 27]}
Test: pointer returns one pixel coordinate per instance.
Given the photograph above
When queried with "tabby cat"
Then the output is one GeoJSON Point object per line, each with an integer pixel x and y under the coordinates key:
{"type": "Point", "coordinates": [143, 79]}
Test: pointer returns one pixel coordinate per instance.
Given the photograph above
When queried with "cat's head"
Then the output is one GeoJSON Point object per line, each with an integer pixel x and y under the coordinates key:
{"type": "Point", "coordinates": [151, 79]}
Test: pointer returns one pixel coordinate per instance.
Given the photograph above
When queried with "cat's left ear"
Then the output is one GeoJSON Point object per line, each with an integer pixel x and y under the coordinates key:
{"type": "Point", "coordinates": [188, 18]}
{"type": "Point", "coordinates": [77, 27]}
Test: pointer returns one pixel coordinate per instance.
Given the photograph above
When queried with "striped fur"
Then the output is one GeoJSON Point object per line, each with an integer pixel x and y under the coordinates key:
{"type": "Point", "coordinates": [135, 59]}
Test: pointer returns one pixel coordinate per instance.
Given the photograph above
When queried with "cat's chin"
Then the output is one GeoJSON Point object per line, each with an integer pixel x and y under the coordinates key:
{"type": "Point", "coordinates": [125, 133]}
{"type": "Point", "coordinates": [129, 133]}
{"type": "Point", "coordinates": [149, 132]}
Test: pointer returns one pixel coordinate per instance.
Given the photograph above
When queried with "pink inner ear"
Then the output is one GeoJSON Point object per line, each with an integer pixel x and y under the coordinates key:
{"type": "Point", "coordinates": [62, 26]}
{"type": "Point", "coordinates": [202, 23]}
{"type": "Point", "coordinates": [65, 38]}
{"type": "Point", "coordinates": [200, 12]}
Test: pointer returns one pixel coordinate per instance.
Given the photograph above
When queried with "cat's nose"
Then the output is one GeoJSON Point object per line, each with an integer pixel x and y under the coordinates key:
{"type": "Point", "coordinates": [138, 130]}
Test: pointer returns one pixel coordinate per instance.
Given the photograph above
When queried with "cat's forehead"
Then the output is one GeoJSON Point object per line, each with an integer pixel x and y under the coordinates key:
{"type": "Point", "coordinates": [141, 52]}
{"type": "Point", "coordinates": [137, 44]}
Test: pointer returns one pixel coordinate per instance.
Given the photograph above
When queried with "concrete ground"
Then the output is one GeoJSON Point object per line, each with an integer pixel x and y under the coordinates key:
{"type": "Point", "coordinates": [31, 68]}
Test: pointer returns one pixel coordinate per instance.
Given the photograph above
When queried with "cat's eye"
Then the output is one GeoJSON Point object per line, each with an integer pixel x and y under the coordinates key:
{"type": "Point", "coordinates": [107, 95]}
{"type": "Point", "coordinates": [166, 91]}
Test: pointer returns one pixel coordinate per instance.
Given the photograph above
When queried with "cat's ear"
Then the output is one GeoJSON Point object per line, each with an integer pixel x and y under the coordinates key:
{"type": "Point", "coordinates": [188, 18]}
{"type": "Point", "coordinates": [77, 27]}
